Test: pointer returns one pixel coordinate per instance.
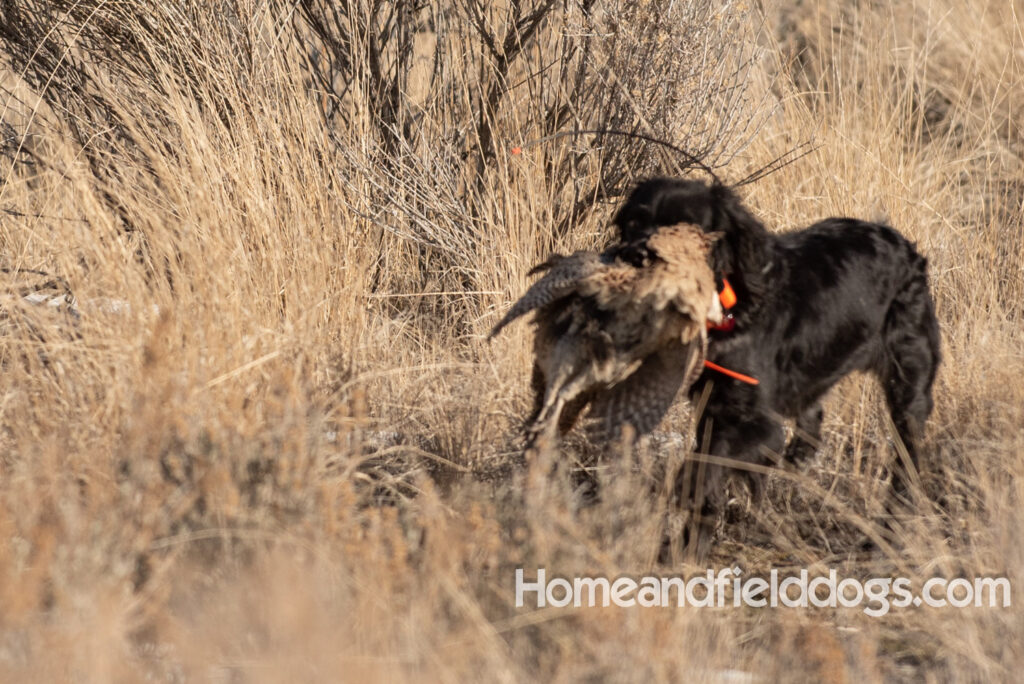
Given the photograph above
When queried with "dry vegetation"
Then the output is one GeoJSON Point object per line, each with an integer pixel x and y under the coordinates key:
{"type": "Point", "coordinates": [269, 442]}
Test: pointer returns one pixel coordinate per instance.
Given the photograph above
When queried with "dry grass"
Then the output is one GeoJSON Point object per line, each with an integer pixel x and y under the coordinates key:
{"type": "Point", "coordinates": [275, 447]}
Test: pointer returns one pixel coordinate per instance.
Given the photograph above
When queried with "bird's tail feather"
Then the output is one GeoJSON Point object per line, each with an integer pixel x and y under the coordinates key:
{"type": "Point", "coordinates": [561, 280]}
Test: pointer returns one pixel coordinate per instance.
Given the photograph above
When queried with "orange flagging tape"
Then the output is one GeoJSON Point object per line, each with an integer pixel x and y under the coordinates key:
{"type": "Point", "coordinates": [727, 296]}
{"type": "Point", "coordinates": [732, 374]}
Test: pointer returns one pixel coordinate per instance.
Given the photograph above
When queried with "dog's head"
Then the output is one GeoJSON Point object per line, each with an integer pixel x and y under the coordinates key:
{"type": "Point", "coordinates": [744, 252]}
{"type": "Point", "coordinates": [660, 202]}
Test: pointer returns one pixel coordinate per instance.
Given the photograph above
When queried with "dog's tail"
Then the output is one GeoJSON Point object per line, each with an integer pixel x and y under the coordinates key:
{"type": "Point", "coordinates": [913, 304]}
{"type": "Point", "coordinates": [929, 319]}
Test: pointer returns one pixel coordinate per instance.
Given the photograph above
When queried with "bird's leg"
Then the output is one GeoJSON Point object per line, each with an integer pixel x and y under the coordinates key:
{"type": "Point", "coordinates": [542, 431]}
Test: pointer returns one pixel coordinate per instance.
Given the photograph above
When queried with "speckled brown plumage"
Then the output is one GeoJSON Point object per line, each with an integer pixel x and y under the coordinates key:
{"type": "Point", "coordinates": [622, 335]}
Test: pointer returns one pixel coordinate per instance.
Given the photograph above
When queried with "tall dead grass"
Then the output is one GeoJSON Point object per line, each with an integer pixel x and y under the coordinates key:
{"type": "Point", "coordinates": [270, 443]}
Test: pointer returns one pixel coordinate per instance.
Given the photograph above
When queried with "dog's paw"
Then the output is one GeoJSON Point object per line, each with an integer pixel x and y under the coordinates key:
{"type": "Point", "coordinates": [799, 453]}
{"type": "Point", "coordinates": [739, 500]}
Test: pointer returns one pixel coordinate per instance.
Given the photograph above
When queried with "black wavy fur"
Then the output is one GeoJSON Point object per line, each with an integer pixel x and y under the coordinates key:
{"type": "Point", "coordinates": [813, 305]}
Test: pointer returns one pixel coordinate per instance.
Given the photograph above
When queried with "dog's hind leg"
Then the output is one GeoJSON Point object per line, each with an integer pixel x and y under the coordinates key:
{"type": "Point", "coordinates": [911, 358]}
{"type": "Point", "coordinates": [806, 437]}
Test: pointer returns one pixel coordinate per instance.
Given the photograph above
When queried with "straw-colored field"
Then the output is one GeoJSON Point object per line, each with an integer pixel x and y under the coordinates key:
{"type": "Point", "coordinates": [273, 444]}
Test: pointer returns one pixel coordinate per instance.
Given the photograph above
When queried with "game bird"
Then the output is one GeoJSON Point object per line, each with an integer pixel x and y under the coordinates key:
{"type": "Point", "coordinates": [620, 332]}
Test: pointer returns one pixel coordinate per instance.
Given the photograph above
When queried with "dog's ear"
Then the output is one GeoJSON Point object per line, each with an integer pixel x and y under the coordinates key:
{"type": "Point", "coordinates": [712, 238]}
{"type": "Point", "coordinates": [745, 250]}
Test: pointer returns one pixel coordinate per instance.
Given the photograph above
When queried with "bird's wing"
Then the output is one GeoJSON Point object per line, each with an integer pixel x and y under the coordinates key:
{"type": "Point", "coordinates": [562, 278]}
{"type": "Point", "coordinates": [612, 287]}
{"type": "Point", "coordinates": [643, 399]}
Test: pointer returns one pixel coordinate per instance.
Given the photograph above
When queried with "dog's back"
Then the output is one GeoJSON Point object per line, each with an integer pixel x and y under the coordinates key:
{"type": "Point", "coordinates": [842, 291]}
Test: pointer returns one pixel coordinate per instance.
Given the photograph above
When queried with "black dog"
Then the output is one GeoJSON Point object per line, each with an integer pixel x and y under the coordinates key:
{"type": "Point", "coordinates": [811, 306]}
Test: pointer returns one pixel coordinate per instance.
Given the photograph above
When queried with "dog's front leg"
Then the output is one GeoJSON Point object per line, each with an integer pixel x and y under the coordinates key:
{"type": "Point", "coordinates": [733, 428]}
